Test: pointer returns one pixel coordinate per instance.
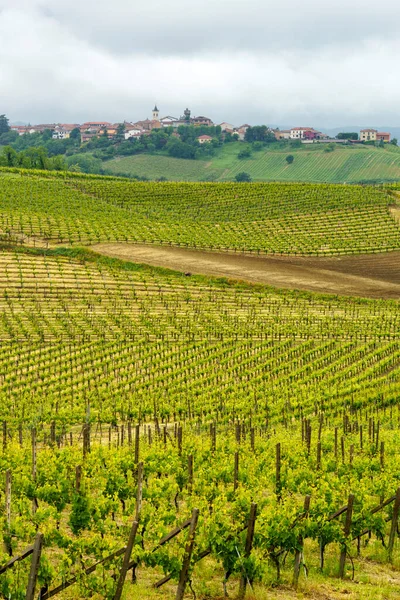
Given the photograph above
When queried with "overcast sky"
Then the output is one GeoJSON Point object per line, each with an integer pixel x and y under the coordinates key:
{"type": "Point", "coordinates": [308, 62]}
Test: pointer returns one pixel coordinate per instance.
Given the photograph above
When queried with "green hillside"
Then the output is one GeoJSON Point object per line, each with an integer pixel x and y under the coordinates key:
{"type": "Point", "coordinates": [311, 163]}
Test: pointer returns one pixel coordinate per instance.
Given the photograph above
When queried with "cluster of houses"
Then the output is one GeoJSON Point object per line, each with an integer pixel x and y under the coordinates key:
{"type": "Point", "coordinates": [136, 129]}
{"type": "Point", "coordinates": [90, 129]}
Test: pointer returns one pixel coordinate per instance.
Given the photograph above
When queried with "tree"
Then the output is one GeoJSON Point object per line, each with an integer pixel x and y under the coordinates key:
{"type": "Point", "coordinates": [344, 135]}
{"type": "Point", "coordinates": [259, 133]}
{"type": "Point", "coordinates": [245, 153]}
{"type": "Point", "coordinates": [394, 141]}
{"type": "Point", "coordinates": [120, 132]}
{"type": "Point", "coordinates": [4, 126]}
{"type": "Point", "coordinates": [289, 159]}
{"type": "Point", "coordinates": [75, 135]}
{"type": "Point", "coordinates": [243, 177]}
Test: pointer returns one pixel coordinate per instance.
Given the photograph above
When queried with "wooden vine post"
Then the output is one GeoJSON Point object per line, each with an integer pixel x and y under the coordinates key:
{"type": "Point", "coordinates": [247, 550]}
{"type": "Point", "coordinates": [34, 501]}
{"type": "Point", "coordinates": [37, 551]}
{"type": "Point", "coordinates": [139, 493]}
{"type": "Point", "coordinates": [137, 440]}
{"type": "Point", "coordinates": [236, 472]}
{"type": "Point", "coordinates": [278, 485]}
{"type": "Point", "coordinates": [126, 561]}
{"type": "Point", "coordinates": [299, 552]}
{"type": "Point", "coordinates": [8, 497]}
{"type": "Point", "coordinates": [393, 528]}
{"type": "Point", "coordinates": [184, 575]}
{"type": "Point", "coordinates": [347, 526]}
{"type": "Point", "coordinates": [190, 473]}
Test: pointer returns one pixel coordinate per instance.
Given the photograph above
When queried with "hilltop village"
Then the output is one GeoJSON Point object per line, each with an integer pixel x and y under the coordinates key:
{"type": "Point", "coordinates": [135, 130]}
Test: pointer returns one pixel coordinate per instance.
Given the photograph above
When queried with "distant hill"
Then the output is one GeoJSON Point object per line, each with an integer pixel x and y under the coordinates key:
{"type": "Point", "coordinates": [350, 164]}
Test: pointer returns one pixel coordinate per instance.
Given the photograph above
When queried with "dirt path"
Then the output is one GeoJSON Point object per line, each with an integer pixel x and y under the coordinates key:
{"type": "Point", "coordinates": [372, 275]}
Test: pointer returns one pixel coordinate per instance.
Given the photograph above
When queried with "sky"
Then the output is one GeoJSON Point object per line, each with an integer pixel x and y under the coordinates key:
{"type": "Point", "coordinates": [310, 62]}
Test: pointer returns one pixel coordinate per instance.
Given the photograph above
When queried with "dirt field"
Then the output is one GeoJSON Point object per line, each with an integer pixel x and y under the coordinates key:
{"type": "Point", "coordinates": [372, 275]}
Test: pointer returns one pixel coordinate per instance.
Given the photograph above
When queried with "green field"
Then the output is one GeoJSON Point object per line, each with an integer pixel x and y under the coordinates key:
{"type": "Point", "coordinates": [130, 392]}
{"type": "Point", "coordinates": [312, 163]}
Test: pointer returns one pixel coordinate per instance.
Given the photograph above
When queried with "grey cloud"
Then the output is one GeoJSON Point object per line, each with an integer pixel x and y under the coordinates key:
{"type": "Point", "coordinates": [295, 63]}
{"type": "Point", "coordinates": [182, 27]}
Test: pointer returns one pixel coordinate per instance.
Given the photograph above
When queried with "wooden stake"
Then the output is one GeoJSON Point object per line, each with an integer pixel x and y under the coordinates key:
{"type": "Point", "coordinates": [78, 477]}
{"type": "Point", "coordinates": [247, 549]}
{"type": "Point", "coordinates": [137, 441]}
{"type": "Point", "coordinates": [126, 561]}
{"type": "Point", "coordinates": [299, 552]}
{"type": "Point", "coordinates": [236, 472]}
{"type": "Point", "coordinates": [37, 551]}
{"type": "Point", "coordinates": [139, 493]}
{"type": "Point", "coordinates": [278, 486]}
{"type": "Point", "coordinates": [8, 497]}
{"type": "Point", "coordinates": [347, 526]}
{"type": "Point", "coordinates": [184, 575]}
{"type": "Point", "coordinates": [190, 473]}
{"type": "Point", "coordinates": [395, 519]}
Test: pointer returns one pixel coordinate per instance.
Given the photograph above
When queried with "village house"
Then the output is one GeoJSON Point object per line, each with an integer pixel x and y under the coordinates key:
{"type": "Point", "coordinates": [368, 135]}
{"type": "Point", "coordinates": [148, 124]}
{"type": "Point", "coordinates": [282, 134]}
{"type": "Point", "coordinates": [94, 126]}
{"type": "Point", "coordinates": [373, 135]}
{"type": "Point", "coordinates": [241, 131]}
{"type": "Point", "coordinates": [132, 132]}
{"type": "Point", "coordinates": [226, 127]}
{"type": "Point", "coordinates": [168, 121]}
{"type": "Point", "coordinates": [304, 133]}
{"type": "Point", "coordinates": [383, 136]}
{"type": "Point", "coordinates": [63, 132]}
{"type": "Point", "coordinates": [204, 139]}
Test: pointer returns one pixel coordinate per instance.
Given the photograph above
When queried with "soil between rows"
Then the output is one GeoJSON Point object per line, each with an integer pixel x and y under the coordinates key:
{"type": "Point", "coordinates": [368, 275]}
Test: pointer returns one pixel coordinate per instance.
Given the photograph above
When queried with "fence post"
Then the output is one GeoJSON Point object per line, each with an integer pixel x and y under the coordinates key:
{"type": "Point", "coordinates": [126, 561]}
{"type": "Point", "coordinates": [299, 552]}
{"type": "Point", "coordinates": [347, 525]}
{"type": "Point", "coordinates": [37, 551]}
{"type": "Point", "coordinates": [247, 549]}
{"type": "Point", "coordinates": [395, 518]}
{"type": "Point", "coordinates": [184, 575]}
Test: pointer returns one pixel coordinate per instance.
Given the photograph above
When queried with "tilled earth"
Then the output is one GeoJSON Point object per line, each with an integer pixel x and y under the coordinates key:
{"type": "Point", "coordinates": [369, 275]}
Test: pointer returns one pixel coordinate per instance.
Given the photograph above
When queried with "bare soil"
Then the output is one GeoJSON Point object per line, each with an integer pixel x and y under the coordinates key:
{"type": "Point", "coordinates": [369, 275]}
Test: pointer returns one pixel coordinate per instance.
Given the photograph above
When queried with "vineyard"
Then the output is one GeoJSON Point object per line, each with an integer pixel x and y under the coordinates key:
{"type": "Point", "coordinates": [301, 219]}
{"type": "Point", "coordinates": [311, 163]}
{"type": "Point", "coordinates": [167, 435]}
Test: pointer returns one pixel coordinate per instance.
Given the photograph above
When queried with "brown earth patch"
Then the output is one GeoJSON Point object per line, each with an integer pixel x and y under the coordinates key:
{"type": "Point", "coordinates": [369, 275]}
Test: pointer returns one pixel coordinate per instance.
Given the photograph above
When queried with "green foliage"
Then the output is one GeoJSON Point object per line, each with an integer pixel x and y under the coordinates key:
{"type": "Point", "coordinates": [80, 514]}
{"type": "Point", "coordinates": [347, 136]}
{"type": "Point", "coordinates": [259, 133]}
{"type": "Point", "coordinates": [289, 159]}
{"type": "Point", "coordinates": [4, 125]}
{"type": "Point", "coordinates": [243, 177]}
{"type": "Point", "coordinates": [245, 153]}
